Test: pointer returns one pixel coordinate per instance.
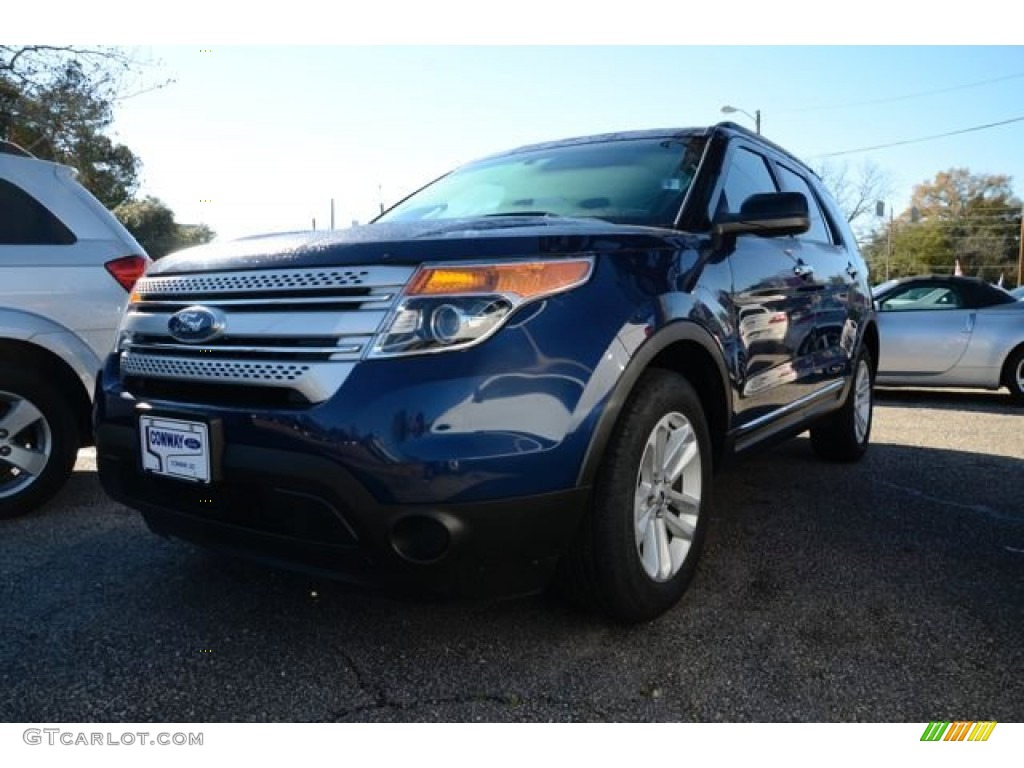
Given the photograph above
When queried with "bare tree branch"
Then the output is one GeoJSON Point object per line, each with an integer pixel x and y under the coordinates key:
{"type": "Point", "coordinates": [856, 191]}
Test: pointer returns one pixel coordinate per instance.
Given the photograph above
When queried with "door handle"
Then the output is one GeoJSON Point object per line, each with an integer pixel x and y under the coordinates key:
{"type": "Point", "coordinates": [803, 270]}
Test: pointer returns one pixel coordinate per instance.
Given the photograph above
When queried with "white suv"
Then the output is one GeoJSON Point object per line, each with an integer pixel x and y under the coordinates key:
{"type": "Point", "coordinates": [67, 267]}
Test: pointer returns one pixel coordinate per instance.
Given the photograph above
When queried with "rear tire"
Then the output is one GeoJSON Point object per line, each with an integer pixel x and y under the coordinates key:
{"type": "Point", "coordinates": [39, 441]}
{"type": "Point", "coordinates": [637, 550]}
{"type": "Point", "coordinates": [844, 436]}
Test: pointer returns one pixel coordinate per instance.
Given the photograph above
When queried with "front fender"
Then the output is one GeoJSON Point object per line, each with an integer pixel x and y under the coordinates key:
{"type": "Point", "coordinates": [627, 359]}
{"type": "Point", "coordinates": [54, 338]}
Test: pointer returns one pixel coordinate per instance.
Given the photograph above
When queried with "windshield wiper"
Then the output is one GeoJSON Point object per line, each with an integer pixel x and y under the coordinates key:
{"type": "Point", "coordinates": [541, 215]}
{"type": "Point", "coordinates": [523, 213]}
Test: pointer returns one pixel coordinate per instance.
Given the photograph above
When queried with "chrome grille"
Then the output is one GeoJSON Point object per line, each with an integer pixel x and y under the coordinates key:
{"type": "Point", "coordinates": [225, 370]}
{"type": "Point", "coordinates": [297, 329]}
{"type": "Point", "coordinates": [258, 280]}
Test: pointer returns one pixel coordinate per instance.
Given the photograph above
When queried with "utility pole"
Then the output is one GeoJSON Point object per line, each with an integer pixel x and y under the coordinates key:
{"type": "Point", "coordinates": [880, 212]}
{"type": "Point", "coordinates": [332, 214]}
{"type": "Point", "coordinates": [1020, 254]}
{"type": "Point", "coordinates": [888, 250]}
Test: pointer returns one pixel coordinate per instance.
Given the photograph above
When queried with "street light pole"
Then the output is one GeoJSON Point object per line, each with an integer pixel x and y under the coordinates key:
{"type": "Point", "coordinates": [756, 117]}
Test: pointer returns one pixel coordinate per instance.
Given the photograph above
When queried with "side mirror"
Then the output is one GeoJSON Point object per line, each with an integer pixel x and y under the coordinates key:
{"type": "Point", "coordinates": [769, 215]}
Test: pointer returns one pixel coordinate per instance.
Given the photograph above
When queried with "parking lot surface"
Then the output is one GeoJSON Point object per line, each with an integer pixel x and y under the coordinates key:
{"type": "Point", "coordinates": [891, 590]}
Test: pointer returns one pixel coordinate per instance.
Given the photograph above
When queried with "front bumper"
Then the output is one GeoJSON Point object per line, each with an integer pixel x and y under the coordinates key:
{"type": "Point", "coordinates": [307, 513]}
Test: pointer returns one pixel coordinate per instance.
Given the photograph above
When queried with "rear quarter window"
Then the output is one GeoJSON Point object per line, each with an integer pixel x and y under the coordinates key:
{"type": "Point", "coordinates": [26, 221]}
{"type": "Point", "coordinates": [819, 230]}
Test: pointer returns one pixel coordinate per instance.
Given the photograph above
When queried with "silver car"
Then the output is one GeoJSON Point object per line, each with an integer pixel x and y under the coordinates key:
{"type": "Point", "coordinates": [66, 269]}
{"type": "Point", "coordinates": [950, 331]}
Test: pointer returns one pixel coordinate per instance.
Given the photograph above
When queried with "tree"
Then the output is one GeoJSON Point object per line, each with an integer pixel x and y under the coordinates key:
{"type": "Point", "coordinates": [57, 103]}
{"type": "Point", "coordinates": [152, 224]}
{"type": "Point", "coordinates": [194, 234]}
{"type": "Point", "coordinates": [856, 191]}
{"type": "Point", "coordinates": [979, 214]}
{"type": "Point", "coordinates": [958, 216]}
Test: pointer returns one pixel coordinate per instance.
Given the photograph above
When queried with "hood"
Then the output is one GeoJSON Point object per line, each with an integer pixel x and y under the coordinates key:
{"type": "Point", "coordinates": [411, 243]}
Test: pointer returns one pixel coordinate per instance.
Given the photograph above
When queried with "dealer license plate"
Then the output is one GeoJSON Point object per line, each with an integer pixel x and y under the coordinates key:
{"type": "Point", "coordinates": [175, 448]}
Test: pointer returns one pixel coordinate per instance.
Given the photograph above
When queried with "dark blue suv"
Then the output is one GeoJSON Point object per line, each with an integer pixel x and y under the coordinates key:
{"type": "Point", "coordinates": [526, 371]}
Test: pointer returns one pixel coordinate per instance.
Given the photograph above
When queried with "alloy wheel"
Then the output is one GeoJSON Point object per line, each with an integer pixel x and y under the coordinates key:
{"type": "Point", "coordinates": [667, 499]}
{"type": "Point", "coordinates": [26, 443]}
{"type": "Point", "coordinates": [862, 401]}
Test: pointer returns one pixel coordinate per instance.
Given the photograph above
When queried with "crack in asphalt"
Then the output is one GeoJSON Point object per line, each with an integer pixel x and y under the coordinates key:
{"type": "Point", "coordinates": [375, 692]}
{"type": "Point", "coordinates": [383, 703]}
{"type": "Point", "coordinates": [979, 509]}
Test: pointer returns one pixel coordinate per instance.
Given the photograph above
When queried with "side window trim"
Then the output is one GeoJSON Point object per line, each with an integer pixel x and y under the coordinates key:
{"type": "Point", "coordinates": [814, 200]}
{"type": "Point", "coordinates": [735, 146]}
{"type": "Point", "coordinates": [828, 214]}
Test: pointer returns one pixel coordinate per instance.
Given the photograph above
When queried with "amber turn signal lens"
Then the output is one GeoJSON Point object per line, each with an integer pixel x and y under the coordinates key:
{"type": "Point", "coordinates": [525, 280]}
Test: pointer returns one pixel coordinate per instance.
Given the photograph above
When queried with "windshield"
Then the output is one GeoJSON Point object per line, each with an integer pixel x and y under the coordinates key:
{"type": "Point", "coordinates": [632, 181]}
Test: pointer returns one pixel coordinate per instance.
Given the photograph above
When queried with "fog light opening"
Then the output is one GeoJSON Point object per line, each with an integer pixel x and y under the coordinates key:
{"type": "Point", "coordinates": [421, 539]}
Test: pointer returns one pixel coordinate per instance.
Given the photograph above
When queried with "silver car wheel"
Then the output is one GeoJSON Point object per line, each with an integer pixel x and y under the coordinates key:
{"type": "Point", "coordinates": [1019, 375]}
{"type": "Point", "coordinates": [667, 499]}
{"type": "Point", "coordinates": [26, 443]}
{"type": "Point", "coordinates": [862, 401]}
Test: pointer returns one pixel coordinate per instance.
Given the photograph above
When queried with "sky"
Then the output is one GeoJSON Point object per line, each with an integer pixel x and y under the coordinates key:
{"type": "Point", "coordinates": [269, 116]}
{"type": "Point", "coordinates": [260, 138]}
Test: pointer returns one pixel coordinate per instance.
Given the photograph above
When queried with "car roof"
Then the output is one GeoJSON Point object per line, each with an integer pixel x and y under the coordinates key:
{"type": "Point", "coordinates": [976, 284]}
{"type": "Point", "coordinates": [727, 128]}
{"type": "Point", "coordinates": [14, 156]}
{"type": "Point", "coordinates": [966, 279]}
{"type": "Point", "coordinates": [10, 148]}
{"type": "Point", "coordinates": [603, 138]}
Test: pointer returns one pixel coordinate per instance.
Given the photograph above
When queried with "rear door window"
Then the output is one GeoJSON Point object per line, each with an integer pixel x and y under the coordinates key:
{"type": "Point", "coordinates": [819, 231]}
{"type": "Point", "coordinates": [26, 221]}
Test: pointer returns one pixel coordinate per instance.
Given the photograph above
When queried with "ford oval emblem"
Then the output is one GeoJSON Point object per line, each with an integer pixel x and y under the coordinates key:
{"type": "Point", "coordinates": [196, 325]}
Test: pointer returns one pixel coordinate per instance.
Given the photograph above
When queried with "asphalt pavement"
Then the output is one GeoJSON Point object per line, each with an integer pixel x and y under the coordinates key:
{"type": "Point", "coordinates": [890, 590]}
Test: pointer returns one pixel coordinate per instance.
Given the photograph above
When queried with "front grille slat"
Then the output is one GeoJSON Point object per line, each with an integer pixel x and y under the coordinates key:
{"type": "Point", "coordinates": [300, 330]}
{"type": "Point", "coordinates": [328, 302]}
{"type": "Point", "coordinates": [244, 350]}
{"type": "Point", "coordinates": [252, 371]}
{"type": "Point", "coordinates": [275, 321]}
{"type": "Point", "coordinates": [271, 280]}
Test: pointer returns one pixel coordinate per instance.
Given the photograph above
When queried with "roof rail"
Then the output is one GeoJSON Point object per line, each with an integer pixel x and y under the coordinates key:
{"type": "Point", "coordinates": [10, 148]}
{"type": "Point", "coordinates": [760, 137]}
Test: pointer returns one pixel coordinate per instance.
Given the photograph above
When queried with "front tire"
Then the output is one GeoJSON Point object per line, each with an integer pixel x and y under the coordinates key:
{"type": "Point", "coordinates": [844, 435]}
{"type": "Point", "coordinates": [638, 548]}
{"type": "Point", "coordinates": [39, 441]}
{"type": "Point", "coordinates": [1014, 378]}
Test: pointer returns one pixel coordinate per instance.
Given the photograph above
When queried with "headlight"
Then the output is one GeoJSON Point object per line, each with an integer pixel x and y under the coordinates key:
{"type": "Point", "coordinates": [454, 307]}
{"type": "Point", "coordinates": [124, 337]}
